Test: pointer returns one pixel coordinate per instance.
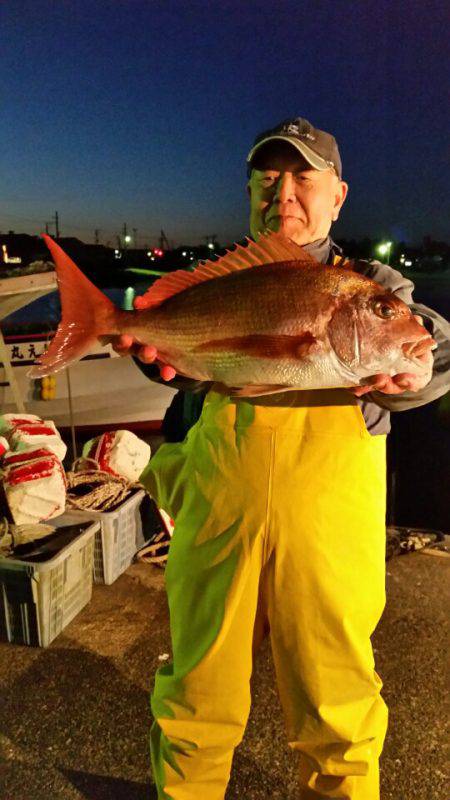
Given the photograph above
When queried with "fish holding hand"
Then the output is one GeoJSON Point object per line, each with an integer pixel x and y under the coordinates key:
{"type": "Point", "coordinates": [261, 319]}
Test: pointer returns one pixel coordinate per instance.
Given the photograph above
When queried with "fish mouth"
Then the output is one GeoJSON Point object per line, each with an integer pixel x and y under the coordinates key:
{"type": "Point", "coordinates": [414, 350]}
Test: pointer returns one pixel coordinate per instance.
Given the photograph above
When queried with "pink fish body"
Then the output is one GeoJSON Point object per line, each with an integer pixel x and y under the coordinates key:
{"type": "Point", "coordinates": [262, 318]}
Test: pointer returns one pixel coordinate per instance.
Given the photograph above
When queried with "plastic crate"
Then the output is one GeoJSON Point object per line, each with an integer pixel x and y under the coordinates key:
{"type": "Point", "coordinates": [119, 537]}
{"type": "Point", "coordinates": [38, 600]}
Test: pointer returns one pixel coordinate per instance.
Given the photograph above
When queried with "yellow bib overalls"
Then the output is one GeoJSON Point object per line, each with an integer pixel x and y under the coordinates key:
{"type": "Point", "coordinates": [280, 522]}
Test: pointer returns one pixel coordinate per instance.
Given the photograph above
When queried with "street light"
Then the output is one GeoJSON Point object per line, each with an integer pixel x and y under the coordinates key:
{"type": "Point", "coordinates": [384, 249]}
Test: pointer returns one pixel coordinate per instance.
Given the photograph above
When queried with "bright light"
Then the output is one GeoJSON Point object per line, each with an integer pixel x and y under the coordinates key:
{"type": "Point", "coordinates": [127, 239]}
{"type": "Point", "coordinates": [127, 303]}
{"type": "Point", "coordinates": [152, 258]}
{"type": "Point", "coordinates": [210, 245]}
{"type": "Point", "coordinates": [149, 253]}
{"type": "Point", "coordinates": [116, 252]}
{"type": "Point", "coordinates": [184, 254]}
{"type": "Point", "coordinates": [384, 248]}
{"type": "Point", "coordinates": [408, 263]}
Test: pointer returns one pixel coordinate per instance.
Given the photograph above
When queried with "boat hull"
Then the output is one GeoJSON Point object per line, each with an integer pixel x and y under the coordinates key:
{"type": "Point", "coordinates": [106, 389]}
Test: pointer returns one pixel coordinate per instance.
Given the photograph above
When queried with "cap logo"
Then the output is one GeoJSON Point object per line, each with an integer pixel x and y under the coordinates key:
{"type": "Point", "coordinates": [294, 130]}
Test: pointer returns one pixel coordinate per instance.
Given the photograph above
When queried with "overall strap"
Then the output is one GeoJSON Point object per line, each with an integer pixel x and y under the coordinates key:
{"type": "Point", "coordinates": [340, 261]}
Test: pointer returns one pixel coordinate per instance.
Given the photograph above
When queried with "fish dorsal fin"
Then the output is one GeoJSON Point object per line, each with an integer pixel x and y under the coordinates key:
{"type": "Point", "coordinates": [270, 248]}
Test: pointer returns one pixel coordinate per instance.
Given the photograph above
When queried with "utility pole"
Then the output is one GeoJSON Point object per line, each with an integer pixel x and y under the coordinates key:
{"type": "Point", "coordinates": [163, 241]}
{"type": "Point", "coordinates": [54, 221]}
{"type": "Point", "coordinates": [125, 237]}
{"type": "Point", "coordinates": [97, 236]}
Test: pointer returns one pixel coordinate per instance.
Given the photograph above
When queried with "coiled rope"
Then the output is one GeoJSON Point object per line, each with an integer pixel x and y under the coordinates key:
{"type": "Point", "coordinates": [94, 488]}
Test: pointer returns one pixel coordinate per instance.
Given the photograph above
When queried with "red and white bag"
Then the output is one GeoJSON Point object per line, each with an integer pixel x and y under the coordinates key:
{"type": "Point", "coordinates": [119, 452]}
{"type": "Point", "coordinates": [24, 431]}
{"type": "Point", "coordinates": [35, 485]}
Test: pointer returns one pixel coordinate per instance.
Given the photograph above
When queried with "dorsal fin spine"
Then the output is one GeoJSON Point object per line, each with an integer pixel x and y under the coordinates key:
{"type": "Point", "coordinates": [270, 248]}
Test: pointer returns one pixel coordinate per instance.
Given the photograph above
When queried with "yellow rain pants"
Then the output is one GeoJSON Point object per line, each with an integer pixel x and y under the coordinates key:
{"type": "Point", "coordinates": [280, 519]}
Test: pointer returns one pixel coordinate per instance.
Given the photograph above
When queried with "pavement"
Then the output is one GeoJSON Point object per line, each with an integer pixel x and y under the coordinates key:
{"type": "Point", "coordinates": [74, 718]}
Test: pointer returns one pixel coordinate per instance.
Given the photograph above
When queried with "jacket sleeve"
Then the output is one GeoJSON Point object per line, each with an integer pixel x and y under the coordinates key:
{"type": "Point", "coordinates": [433, 322]}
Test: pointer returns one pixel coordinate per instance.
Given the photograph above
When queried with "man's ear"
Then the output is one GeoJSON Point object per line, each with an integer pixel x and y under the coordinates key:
{"type": "Point", "coordinates": [339, 198]}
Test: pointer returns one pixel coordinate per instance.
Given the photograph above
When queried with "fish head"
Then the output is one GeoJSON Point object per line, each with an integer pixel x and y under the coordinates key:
{"type": "Point", "coordinates": [376, 332]}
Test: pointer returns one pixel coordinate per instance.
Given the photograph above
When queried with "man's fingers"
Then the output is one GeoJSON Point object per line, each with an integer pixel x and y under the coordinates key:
{"type": "Point", "coordinates": [127, 345]}
{"type": "Point", "coordinates": [122, 344]}
{"type": "Point", "coordinates": [126, 340]}
{"type": "Point", "coordinates": [385, 384]}
{"type": "Point", "coordinates": [147, 354]}
{"type": "Point", "coordinates": [167, 372]}
{"type": "Point", "coordinates": [358, 391]}
{"type": "Point", "coordinates": [403, 380]}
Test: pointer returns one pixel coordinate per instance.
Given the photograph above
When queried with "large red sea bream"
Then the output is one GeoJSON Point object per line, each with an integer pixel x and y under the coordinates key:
{"type": "Point", "coordinates": [263, 318]}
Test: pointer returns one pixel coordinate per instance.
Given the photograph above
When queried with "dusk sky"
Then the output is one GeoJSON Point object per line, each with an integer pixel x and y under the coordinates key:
{"type": "Point", "coordinates": [144, 112]}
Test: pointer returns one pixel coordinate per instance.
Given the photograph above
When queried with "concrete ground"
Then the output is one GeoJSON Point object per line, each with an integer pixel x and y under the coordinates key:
{"type": "Point", "coordinates": [74, 718]}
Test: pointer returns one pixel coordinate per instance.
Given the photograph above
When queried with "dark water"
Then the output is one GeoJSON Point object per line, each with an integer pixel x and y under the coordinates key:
{"type": "Point", "coordinates": [45, 313]}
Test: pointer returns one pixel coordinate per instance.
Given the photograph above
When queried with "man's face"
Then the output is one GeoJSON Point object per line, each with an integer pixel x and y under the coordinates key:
{"type": "Point", "coordinates": [288, 196]}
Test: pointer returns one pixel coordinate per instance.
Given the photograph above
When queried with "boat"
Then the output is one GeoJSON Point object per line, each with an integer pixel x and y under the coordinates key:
{"type": "Point", "coordinates": [102, 391]}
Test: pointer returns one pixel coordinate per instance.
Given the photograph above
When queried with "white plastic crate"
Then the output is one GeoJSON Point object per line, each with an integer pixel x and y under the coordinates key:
{"type": "Point", "coordinates": [119, 537]}
{"type": "Point", "coordinates": [38, 600]}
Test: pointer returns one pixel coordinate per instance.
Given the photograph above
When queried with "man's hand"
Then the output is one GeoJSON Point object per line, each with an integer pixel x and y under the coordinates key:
{"type": "Point", "coordinates": [397, 384]}
{"type": "Point", "coordinates": [127, 345]}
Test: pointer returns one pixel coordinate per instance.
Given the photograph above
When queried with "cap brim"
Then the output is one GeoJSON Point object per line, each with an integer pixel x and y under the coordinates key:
{"type": "Point", "coordinates": [311, 157]}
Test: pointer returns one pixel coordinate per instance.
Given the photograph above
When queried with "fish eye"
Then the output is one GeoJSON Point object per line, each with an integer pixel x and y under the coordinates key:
{"type": "Point", "coordinates": [384, 310]}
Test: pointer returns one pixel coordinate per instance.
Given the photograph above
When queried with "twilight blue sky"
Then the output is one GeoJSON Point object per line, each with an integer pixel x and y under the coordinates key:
{"type": "Point", "coordinates": [143, 112]}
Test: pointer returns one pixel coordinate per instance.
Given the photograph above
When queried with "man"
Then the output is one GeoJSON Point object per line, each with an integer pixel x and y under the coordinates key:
{"type": "Point", "coordinates": [279, 504]}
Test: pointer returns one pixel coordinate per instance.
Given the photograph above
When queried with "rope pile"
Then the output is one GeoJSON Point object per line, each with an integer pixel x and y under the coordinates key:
{"type": "Point", "coordinates": [156, 550]}
{"type": "Point", "coordinates": [94, 488]}
{"type": "Point", "coordinates": [401, 540]}
{"type": "Point", "coordinates": [91, 488]}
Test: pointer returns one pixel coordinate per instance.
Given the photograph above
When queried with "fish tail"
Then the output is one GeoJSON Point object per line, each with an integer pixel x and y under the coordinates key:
{"type": "Point", "coordinates": [87, 314]}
